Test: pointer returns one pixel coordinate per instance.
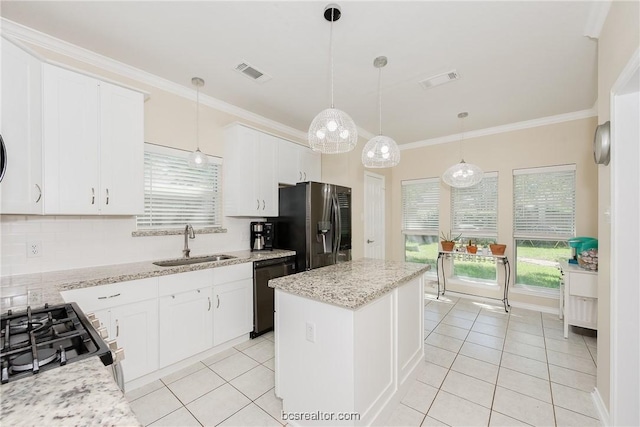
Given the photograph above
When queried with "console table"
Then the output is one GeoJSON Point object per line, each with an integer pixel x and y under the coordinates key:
{"type": "Point", "coordinates": [501, 259]}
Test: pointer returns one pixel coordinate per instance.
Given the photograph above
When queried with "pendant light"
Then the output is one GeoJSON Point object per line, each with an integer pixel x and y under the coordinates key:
{"type": "Point", "coordinates": [197, 159]}
{"type": "Point", "coordinates": [462, 175]}
{"type": "Point", "coordinates": [332, 131]}
{"type": "Point", "coordinates": [381, 151]}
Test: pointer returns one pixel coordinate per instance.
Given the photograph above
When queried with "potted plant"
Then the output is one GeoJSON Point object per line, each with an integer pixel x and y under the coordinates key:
{"type": "Point", "coordinates": [471, 248]}
{"type": "Point", "coordinates": [448, 242]}
{"type": "Point", "coordinates": [497, 249]}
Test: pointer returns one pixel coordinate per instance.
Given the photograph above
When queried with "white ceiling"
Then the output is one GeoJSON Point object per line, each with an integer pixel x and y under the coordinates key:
{"type": "Point", "coordinates": [517, 60]}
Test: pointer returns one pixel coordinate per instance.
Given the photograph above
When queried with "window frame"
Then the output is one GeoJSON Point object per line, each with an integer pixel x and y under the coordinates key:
{"type": "Point", "coordinates": [431, 231]}
{"type": "Point", "coordinates": [490, 233]}
{"type": "Point", "coordinates": [529, 288]}
{"type": "Point", "coordinates": [180, 158]}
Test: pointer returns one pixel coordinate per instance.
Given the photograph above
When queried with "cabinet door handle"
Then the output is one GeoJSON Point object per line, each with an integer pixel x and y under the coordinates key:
{"type": "Point", "coordinates": [218, 297]}
{"type": "Point", "coordinates": [117, 328]}
{"type": "Point", "coordinates": [263, 204]}
{"type": "Point", "coordinates": [39, 193]}
{"type": "Point", "coordinates": [107, 196]}
{"type": "Point", "coordinates": [110, 296]}
{"type": "Point", "coordinates": [209, 299]}
{"type": "Point", "coordinates": [299, 176]}
{"type": "Point", "coordinates": [93, 196]}
{"type": "Point", "coordinates": [258, 208]}
{"type": "Point", "coordinates": [305, 176]}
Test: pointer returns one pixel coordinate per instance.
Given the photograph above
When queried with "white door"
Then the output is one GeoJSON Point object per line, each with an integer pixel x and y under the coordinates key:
{"type": "Point", "coordinates": [121, 151]}
{"type": "Point", "coordinates": [625, 234]}
{"type": "Point", "coordinates": [21, 187]}
{"type": "Point", "coordinates": [135, 328]}
{"type": "Point", "coordinates": [374, 192]}
{"type": "Point", "coordinates": [70, 142]}
{"type": "Point", "coordinates": [233, 313]}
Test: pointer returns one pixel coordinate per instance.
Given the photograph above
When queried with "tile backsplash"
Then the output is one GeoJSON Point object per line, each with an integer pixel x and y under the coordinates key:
{"type": "Point", "coordinates": [66, 242]}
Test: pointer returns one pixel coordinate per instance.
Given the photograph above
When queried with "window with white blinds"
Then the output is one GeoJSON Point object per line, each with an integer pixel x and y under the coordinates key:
{"type": "Point", "coordinates": [420, 206]}
{"type": "Point", "coordinates": [176, 194]}
{"type": "Point", "coordinates": [544, 202]}
{"type": "Point", "coordinates": [474, 210]}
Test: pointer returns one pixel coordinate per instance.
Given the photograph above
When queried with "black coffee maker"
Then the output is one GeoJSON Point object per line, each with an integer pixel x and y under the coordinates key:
{"type": "Point", "coordinates": [261, 236]}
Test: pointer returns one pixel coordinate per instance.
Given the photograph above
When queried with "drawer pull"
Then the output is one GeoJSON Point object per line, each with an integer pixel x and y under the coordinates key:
{"type": "Point", "coordinates": [93, 196]}
{"type": "Point", "coordinates": [39, 193]}
{"type": "Point", "coordinates": [209, 299]}
{"type": "Point", "coordinates": [218, 297]}
{"type": "Point", "coordinates": [110, 296]}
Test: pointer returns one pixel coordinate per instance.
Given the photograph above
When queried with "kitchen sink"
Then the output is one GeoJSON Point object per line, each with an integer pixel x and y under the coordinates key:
{"type": "Point", "coordinates": [194, 260]}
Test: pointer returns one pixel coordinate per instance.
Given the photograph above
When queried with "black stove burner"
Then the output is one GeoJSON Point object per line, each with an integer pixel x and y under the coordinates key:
{"type": "Point", "coordinates": [42, 339]}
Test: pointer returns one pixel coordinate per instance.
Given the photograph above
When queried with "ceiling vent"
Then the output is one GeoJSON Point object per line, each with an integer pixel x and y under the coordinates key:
{"type": "Point", "coordinates": [440, 79]}
{"type": "Point", "coordinates": [252, 72]}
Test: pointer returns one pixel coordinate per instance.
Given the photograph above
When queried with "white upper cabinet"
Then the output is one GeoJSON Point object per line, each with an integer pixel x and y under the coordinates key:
{"type": "Point", "coordinates": [92, 145]}
{"type": "Point", "coordinates": [297, 163]}
{"type": "Point", "coordinates": [21, 188]}
{"type": "Point", "coordinates": [250, 180]}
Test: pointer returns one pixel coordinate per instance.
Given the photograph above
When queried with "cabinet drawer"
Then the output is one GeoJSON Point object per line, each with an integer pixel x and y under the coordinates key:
{"type": "Point", "coordinates": [584, 285]}
{"type": "Point", "coordinates": [115, 294]}
{"type": "Point", "coordinates": [232, 273]}
{"type": "Point", "coordinates": [188, 281]}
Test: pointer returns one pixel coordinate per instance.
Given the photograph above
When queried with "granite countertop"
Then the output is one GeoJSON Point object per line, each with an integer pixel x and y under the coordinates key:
{"type": "Point", "coordinates": [50, 284]}
{"type": "Point", "coordinates": [350, 284]}
{"type": "Point", "coordinates": [82, 392]}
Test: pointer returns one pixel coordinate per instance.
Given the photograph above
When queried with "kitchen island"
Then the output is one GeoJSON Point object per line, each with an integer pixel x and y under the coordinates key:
{"type": "Point", "coordinates": [348, 337]}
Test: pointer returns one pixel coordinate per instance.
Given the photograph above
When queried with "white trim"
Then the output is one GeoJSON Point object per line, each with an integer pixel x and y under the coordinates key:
{"type": "Point", "coordinates": [62, 47]}
{"type": "Point", "coordinates": [544, 121]}
{"type": "Point", "coordinates": [546, 169]}
{"type": "Point", "coordinates": [597, 17]}
{"type": "Point", "coordinates": [498, 302]}
{"type": "Point", "coordinates": [177, 152]}
{"type": "Point", "coordinates": [419, 181]}
{"type": "Point", "coordinates": [603, 414]}
{"type": "Point", "coordinates": [618, 212]}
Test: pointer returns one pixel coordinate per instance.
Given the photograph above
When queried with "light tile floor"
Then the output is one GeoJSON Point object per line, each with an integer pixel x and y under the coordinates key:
{"type": "Point", "coordinates": [482, 367]}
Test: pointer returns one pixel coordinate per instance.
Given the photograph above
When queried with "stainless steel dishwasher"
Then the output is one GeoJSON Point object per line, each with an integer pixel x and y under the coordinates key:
{"type": "Point", "coordinates": [263, 295]}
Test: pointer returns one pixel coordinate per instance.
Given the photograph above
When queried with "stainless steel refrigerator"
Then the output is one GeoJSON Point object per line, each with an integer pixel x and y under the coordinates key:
{"type": "Point", "coordinates": [314, 221]}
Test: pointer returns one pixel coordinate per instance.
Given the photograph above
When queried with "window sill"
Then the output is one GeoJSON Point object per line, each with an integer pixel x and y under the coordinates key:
{"type": "Point", "coordinates": [176, 231]}
{"type": "Point", "coordinates": [455, 280]}
{"type": "Point", "coordinates": [541, 293]}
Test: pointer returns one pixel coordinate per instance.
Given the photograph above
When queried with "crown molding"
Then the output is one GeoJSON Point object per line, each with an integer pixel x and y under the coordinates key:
{"type": "Point", "coordinates": [35, 37]}
{"type": "Point", "coordinates": [544, 121]}
{"type": "Point", "coordinates": [597, 17]}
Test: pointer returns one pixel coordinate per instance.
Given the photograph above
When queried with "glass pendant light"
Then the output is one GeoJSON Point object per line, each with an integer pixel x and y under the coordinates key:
{"type": "Point", "coordinates": [380, 151]}
{"type": "Point", "coordinates": [332, 131]}
{"type": "Point", "coordinates": [462, 175]}
{"type": "Point", "coordinates": [197, 159]}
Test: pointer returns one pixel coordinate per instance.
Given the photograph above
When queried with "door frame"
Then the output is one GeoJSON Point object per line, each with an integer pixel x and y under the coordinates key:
{"type": "Point", "coordinates": [625, 233]}
{"type": "Point", "coordinates": [384, 188]}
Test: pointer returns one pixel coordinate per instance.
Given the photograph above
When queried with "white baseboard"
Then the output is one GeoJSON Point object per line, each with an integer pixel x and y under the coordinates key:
{"type": "Point", "coordinates": [526, 306]}
{"type": "Point", "coordinates": [603, 413]}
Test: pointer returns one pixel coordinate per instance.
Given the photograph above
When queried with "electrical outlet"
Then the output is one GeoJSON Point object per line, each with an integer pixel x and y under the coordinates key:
{"type": "Point", "coordinates": [311, 332]}
{"type": "Point", "coordinates": [34, 249]}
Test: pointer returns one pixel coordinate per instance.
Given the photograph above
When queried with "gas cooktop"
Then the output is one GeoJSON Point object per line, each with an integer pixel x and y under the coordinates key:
{"type": "Point", "coordinates": [36, 340]}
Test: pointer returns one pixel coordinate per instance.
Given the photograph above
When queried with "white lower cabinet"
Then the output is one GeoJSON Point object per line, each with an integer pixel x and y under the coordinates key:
{"type": "Point", "coordinates": [580, 298]}
{"type": "Point", "coordinates": [233, 314]}
{"type": "Point", "coordinates": [186, 323]}
{"type": "Point", "coordinates": [163, 320]}
{"type": "Point", "coordinates": [129, 311]}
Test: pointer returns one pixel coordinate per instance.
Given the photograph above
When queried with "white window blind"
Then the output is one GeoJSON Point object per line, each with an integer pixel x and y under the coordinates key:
{"type": "Point", "coordinates": [420, 206]}
{"type": "Point", "coordinates": [544, 202]}
{"type": "Point", "coordinates": [474, 210]}
{"type": "Point", "coordinates": [176, 194]}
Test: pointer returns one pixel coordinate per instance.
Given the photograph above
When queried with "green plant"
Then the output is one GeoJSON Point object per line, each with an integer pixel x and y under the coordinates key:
{"type": "Point", "coordinates": [448, 237]}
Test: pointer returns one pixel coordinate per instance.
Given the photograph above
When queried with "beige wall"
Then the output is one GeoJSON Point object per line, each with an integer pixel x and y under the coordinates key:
{"type": "Point", "coordinates": [619, 39]}
{"type": "Point", "coordinates": [557, 144]}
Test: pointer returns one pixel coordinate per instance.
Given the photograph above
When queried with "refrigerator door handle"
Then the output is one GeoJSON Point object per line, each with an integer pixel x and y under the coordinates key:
{"type": "Point", "coordinates": [337, 228]}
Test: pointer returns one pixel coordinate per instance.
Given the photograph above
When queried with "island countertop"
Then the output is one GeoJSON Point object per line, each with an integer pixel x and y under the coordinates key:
{"type": "Point", "coordinates": [351, 284]}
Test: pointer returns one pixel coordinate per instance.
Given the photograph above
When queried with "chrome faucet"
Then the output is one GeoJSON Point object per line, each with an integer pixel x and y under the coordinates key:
{"type": "Point", "coordinates": [188, 234]}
